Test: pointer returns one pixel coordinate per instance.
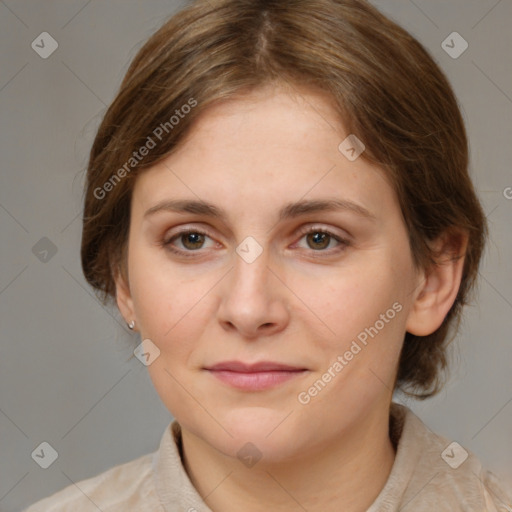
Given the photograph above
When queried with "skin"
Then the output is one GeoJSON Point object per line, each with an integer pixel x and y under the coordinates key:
{"type": "Point", "coordinates": [301, 302]}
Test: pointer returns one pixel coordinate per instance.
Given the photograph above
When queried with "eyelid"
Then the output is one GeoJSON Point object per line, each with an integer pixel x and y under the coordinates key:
{"type": "Point", "coordinates": [305, 229]}
{"type": "Point", "coordinates": [308, 228]}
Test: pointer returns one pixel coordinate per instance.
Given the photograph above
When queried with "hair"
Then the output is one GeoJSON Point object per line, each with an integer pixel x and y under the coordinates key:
{"type": "Point", "coordinates": [385, 86]}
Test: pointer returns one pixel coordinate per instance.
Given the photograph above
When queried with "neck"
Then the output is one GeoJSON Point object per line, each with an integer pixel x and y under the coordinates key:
{"type": "Point", "coordinates": [346, 474]}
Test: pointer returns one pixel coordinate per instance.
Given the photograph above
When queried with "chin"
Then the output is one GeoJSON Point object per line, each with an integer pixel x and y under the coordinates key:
{"type": "Point", "coordinates": [258, 432]}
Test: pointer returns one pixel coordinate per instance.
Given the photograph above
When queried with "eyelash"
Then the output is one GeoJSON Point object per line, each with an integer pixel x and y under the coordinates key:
{"type": "Point", "coordinates": [166, 243]}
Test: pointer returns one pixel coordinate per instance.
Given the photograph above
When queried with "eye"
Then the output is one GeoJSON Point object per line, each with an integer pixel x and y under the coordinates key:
{"type": "Point", "coordinates": [192, 241]}
{"type": "Point", "coordinates": [318, 239]}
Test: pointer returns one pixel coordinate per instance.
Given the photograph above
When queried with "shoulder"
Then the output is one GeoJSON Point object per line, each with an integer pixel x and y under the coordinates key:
{"type": "Point", "coordinates": [442, 474]}
{"type": "Point", "coordinates": [111, 491]}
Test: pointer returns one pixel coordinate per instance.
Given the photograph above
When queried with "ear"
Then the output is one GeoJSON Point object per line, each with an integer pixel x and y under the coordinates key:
{"type": "Point", "coordinates": [123, 296]}
{"type": "Point", "coordinates": [438, 285]}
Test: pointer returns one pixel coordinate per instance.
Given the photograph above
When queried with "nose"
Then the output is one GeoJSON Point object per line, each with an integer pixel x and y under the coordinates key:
{"type": "Point", "coordinates": [254, 300]}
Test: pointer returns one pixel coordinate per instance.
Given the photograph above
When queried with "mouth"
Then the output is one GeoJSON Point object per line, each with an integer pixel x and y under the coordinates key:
{"type": "Point", "coordinates": [254, 377]}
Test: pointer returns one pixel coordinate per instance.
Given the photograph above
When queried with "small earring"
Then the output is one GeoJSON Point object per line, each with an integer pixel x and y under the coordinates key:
{"type": "Point", "coordinates": [131, 325]}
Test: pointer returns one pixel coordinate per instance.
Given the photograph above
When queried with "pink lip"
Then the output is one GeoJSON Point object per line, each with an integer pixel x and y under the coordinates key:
{"type": "Point", "coordinates": [263, 366]}
{"type": "Point", "coordinates": [254, 377]}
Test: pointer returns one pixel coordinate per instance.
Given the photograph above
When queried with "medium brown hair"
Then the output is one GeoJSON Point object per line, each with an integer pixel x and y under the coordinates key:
{"type": "Point", "coordinates": [387, 89]}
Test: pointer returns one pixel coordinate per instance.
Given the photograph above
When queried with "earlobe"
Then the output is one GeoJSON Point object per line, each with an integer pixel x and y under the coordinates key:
{"type": "Point", "coordinates": [439, 285]}
{"type": "Point", "coordinates": [123, 296]}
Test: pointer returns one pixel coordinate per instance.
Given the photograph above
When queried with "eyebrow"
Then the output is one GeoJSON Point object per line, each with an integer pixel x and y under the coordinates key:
{"type": "Point", "coordinates": [289, 211]}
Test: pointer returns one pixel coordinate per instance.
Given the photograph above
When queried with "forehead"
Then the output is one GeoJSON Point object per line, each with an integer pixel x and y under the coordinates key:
{"type": "Point", "coordinates": [276, 116]}
{"type": "Point", "coordinates": [266, 148]}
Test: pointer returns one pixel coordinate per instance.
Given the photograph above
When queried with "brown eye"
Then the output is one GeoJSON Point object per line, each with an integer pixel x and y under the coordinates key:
{"type": "Point", "coordinates": [192, 240]}
{"type": "Point", "coordinates": [318, 239]}
{"type": "Point", "coordinates": [186, 243]}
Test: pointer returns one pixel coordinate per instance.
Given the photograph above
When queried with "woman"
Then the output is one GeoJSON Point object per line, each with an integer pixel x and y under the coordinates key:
{"type": "Point", "coordinates": [278, 201]}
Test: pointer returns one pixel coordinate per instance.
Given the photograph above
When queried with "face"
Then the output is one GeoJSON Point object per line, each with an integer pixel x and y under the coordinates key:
{"type": "Point", "coordinates": [325, 291]}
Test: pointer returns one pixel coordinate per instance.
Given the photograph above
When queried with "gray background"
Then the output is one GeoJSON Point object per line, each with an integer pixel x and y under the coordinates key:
{"type": "Point", "coordinates": [65, 377]}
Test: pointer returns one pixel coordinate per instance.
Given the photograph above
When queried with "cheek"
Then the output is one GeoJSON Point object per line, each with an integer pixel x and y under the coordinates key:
{"type": "Point", "coordinates": [365, 308]}
{"type": "Point", "coordinates": [353, 299]}
{"type": "Point", "coordinates": [165, 297]}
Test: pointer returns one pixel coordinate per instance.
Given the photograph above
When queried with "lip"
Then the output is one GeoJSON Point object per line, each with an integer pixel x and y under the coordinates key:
{"type": "Point", "coordinates": [262, 366]}
{"type": "Point", "coordinates": [256, 376]}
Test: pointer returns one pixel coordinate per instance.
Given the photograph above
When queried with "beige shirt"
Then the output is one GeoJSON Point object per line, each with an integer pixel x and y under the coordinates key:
{"type": "Point", "coordinates": [429, 474]}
